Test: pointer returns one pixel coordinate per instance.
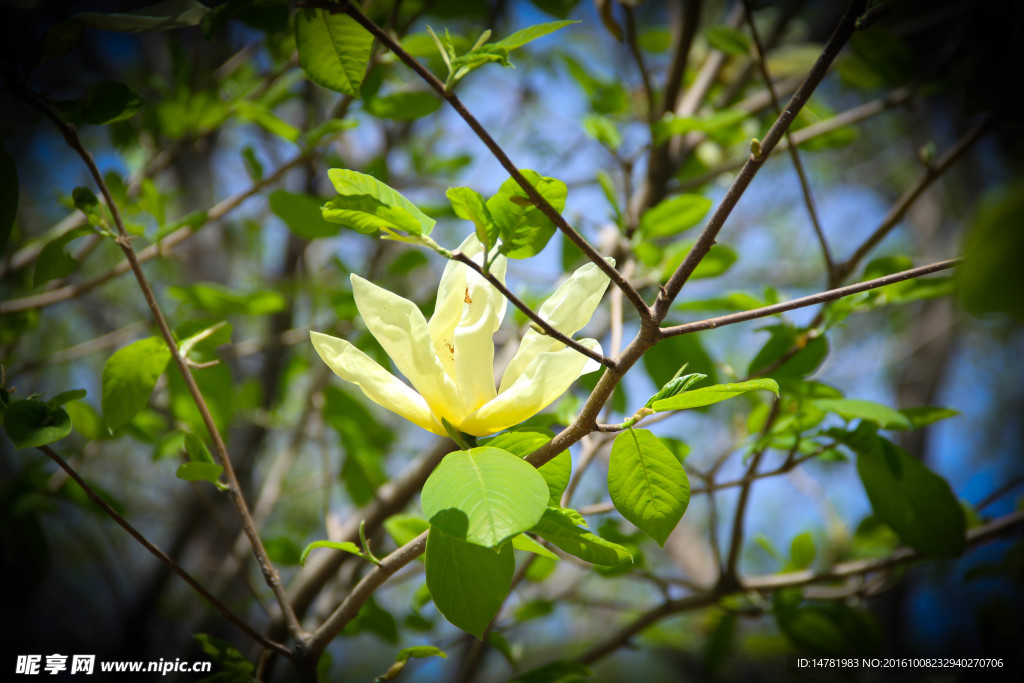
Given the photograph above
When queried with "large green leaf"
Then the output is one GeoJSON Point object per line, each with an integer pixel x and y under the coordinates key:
{"type": "Point", "coordinates": [523, 228]}
{"type": "Point", "coordinates": [674, 215]}
{"type": "Point", "coordinates": [333, 49]}
{"type": "Point", "coordinates": [31, 423]}
{"type": "Point", "coordinates": [919, 505]}
{"type": "Point", "coordinates": [367, 205]}
{"type": "Point", "coordinates": [467, 582]}
{"type": "Point", "coordinates": [484, 496]}
{"type": "Point", "coordinates": [706, 396]}
{"type": "Point", "coordinates": [560, 527]}
{"type": "Point", "coordinates": [855, 408]}
{"type": "Point", "coordinates": [823, 628]}
{"type": "Point", "coordinates": [8, 194]}
{"type": "Point", "coordinates": [662, 361]}
{"type": "Point", "coordinates": [556, 472]}
{"type": "Point", "coordinates": [129, 377]}
{"type": "Point", "coordinates": [647, 483]}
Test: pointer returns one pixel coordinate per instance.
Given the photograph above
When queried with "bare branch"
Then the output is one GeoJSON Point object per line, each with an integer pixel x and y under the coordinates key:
{"type": "Point", "coordinates": [707, 237]}
{"type": "Point", "coordinates": [164, 557]}
{"type": "Point", "coordinates": [234, 490]}
{"type": "Point", "coordinates": [811, 300]}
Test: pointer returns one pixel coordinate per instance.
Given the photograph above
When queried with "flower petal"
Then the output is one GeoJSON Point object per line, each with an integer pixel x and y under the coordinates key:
{"type": "Point", "coordinates": [568, 310]}
{"type": "Point", "coordinates": [401, 329]}
{"type": "Point", "coordinates": [379, 385]}
{"type": "Point", "coordinates": [468, 312]}
{"type": "Point", "coordinates": [546, 378]}
{"type": "Point", "coordinates": [483, 309]}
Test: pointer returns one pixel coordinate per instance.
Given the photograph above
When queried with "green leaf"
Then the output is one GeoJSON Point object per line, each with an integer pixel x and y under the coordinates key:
{"type": "Point", "coordinates": [30, 423]}
{"type": "Point", "coordinates": [853, 408]}
{"type": "Point", "coordinates": [404, 528]}
{"type": "Point", "coordinates": [531, 33]}
{"type": "Point", "coordinates": [403, 106]}
{"type": "Point", "coordinates": [789, 354]}
{"type": "Point", "coordinates": [556, 472]}
{"type": "Point", "coordinates": [333, 49]}
{"type": "Point", "coordinates": [159, 16]}
{"type": "Point", "coordinates": [301, 213]}
{"type": "Point", "coordinates": [922, 416]}
{"type": "Point", "coordinates": [196, 449]}
{"type": "Point", "coordinates": [484, 496]}
{"type": "Point", "coordinates": [527, 544]}
{"type": "Point", "coordinates": [9, 194]}
{"type": "Point", "coordinates": [129, 376]}
{"type": "Point", "coordinates": [674, 215]}
{"type": "Point", "coordinates": [109, 103]}
{"type": "Point", "coordinates": [467, 582]}
{"type": "Point", "coordinates": [200, 471]}
{"type": "Point", "coordinates": [560, 527]}
{"type": "Point", "coordinates": [602, 129]}
{"type": "Point", "coordinates": [919, 505]}
{"type": "Point", "coordinates": [802, 551]}
{"type": "Point", "coordinates": [85, 201]}
{"type": "Point", "coordinates": [420, 652]}
{"type": "Point", "coordinates": [728, 39]}
{"type": "Point", "coordinates": [234, 667]}
{"type": "Point", "coordinates": [706, 396]}
{"type": "Point", "coordinates": [469, 205]}
{"type": "Point", "coordinates": [647, 483]}
{"type": "Point", "coordinates": [366, 204]}
{"type": "Point", "coordinates": [524, 230]}
{"type": "Point", "coordinates": [718, 260]}
{"type": "Point", "coordinates": [344, 546]}
{"type": "Point", "coordinates": [53, 262]}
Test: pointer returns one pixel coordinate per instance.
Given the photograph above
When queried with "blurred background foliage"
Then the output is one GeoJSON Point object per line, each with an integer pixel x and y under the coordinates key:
{"type": "Point", "coordinates": [215, 145]}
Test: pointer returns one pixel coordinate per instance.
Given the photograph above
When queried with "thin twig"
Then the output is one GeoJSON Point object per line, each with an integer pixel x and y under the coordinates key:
{"type": "Point", "coordinates": [794, 153]}
{"type": "Point", "coordinates": [903, 204]}
{"type": "Point", "coordinates": [730, 574]}
{"type": "Point", "coordinates": [547, 327]}
{"type": "Point", "coordinates": [754, 162]}
{"type": "Point", "coordinates": [164, 557]}
{"type": "Point", "coordinates": [159, 248]}
{"type": "Point", "coordinates": [123, 240]}
{"type": "Point", "coordinates": [810, 300]}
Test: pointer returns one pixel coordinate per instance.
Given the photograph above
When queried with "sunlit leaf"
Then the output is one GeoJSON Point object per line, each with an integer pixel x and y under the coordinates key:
{"type": "Point", "coordinates": [647, 483]}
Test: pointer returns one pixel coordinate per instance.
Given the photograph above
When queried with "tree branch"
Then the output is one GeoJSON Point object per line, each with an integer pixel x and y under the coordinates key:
{"type": "Point", "coordinates": [794, 153]}
{"type": "Point", "coordinates": [164, 557]}
{"type": "Point", "coordinates": [811, 300]}
{"type": "Point", "coordinates": [754, 162]}
{"type": "Point", "coordinates": [123, 240]}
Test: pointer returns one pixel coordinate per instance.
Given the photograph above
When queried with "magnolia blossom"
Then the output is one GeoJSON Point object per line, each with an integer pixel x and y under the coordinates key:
{"type": "Point", "coordinates": [450, 360]}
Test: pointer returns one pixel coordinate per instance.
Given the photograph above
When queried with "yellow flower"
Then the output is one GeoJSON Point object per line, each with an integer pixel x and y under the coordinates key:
{"type": "Point", "coordinates": [450, 360]}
